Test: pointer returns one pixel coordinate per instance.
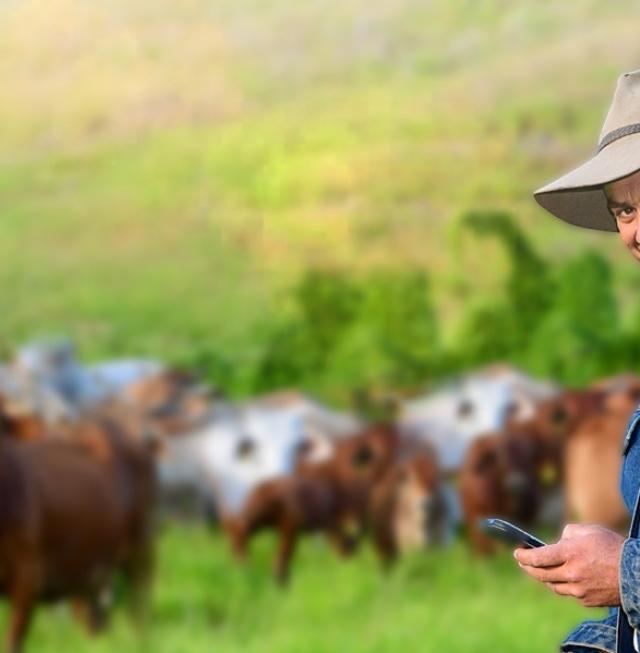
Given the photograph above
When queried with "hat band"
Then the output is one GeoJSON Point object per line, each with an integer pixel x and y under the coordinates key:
{"type": "Point", "coordinates": [614, 135]}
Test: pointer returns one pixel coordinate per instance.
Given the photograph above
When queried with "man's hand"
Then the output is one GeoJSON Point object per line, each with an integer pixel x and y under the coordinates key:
{"type": "Point", "coordinates": [583, 564]}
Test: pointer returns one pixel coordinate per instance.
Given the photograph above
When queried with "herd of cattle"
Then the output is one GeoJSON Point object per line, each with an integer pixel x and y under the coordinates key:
{"type": "Point", "coordinates": [92, 456]}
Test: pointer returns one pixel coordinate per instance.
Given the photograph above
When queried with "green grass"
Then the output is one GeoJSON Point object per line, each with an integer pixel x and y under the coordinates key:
{"type": "Point", "coordinates": [435, 601]}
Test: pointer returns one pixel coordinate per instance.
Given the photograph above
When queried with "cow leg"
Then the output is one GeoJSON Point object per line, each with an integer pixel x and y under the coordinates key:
{"type": "Point", "coordinates": [384, 545]}
{"type": "Point", "coordinates": [239, 537]}
{"type": "Point", "coordinates": [93, 611]}
{"type": "Point", "coordinates": [286, 549]}
{"type": "Point", "coordinates": [22, 597]}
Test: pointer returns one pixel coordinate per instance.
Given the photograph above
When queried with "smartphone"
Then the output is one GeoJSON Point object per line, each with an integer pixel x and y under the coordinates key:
{"type": "Point", "coordinates": [509, 533]}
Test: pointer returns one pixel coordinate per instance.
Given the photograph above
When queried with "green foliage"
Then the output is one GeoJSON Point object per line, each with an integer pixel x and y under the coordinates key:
{"type": "Point", "coordinates": [393, 343]}
{"type": "Point", "coordinates": [487, 333]}
{"type": "Point", "coordinates": [376, 331]}
{"type": "Point", "coordinates": [499, 327]}
{"type": "Point", "coordinates": [328, 303]}
{"type": "Point", "coordinates": [399, 308]}
{"type": "Point", "coordinates": [297, 348]}
{"type": "Point", "coordinates": [527, 289]}
{"type": "Point", "coordinates": [585, 294]}
{"type": "Point", "coordinates": [580, 336]}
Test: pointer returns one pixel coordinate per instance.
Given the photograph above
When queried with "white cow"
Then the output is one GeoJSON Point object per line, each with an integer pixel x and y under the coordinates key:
{"type": "Point", "coordinates": [467, 408]}
{"type": "Point", "coordinates": [243, 446]}
{"type": "Point", "coordinates": [454, 416]}
{"type": "Point", "coordinates": [45, 378]}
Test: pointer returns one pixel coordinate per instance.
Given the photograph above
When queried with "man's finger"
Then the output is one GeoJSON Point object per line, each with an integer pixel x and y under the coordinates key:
{"type": "Point", "coordinates": [563, 589]}
{"type": "Point", "coordinates": [551, 555]}
{"type": "Point", "coordinates": [547, 574]}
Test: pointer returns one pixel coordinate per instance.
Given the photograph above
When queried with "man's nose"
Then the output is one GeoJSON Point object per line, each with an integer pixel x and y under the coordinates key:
{"type": "Point", "coordinates": [637, 224]}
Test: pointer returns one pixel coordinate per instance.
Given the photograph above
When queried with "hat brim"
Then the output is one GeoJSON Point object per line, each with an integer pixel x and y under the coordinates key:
{"type": "Point", "coordinates": [578, 197]}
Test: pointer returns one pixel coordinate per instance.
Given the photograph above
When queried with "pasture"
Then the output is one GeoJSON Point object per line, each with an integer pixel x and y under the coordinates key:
{"type": "Point", "coordinates": [436, 601]}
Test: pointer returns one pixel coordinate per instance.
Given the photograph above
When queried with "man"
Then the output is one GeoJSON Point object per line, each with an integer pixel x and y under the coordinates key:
{"type": "Point", "coordinates": [597, 566]}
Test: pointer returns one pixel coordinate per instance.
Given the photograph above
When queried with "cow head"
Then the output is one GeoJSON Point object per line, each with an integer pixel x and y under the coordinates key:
{"type": "Point", "coordinates": [509, 471]}
{"type": "Point", "coordinates": [365, 457]}
{"type": "Point", "coordinates": [173, 402]}
{"type": "Point", "coordinates": [556, 418]}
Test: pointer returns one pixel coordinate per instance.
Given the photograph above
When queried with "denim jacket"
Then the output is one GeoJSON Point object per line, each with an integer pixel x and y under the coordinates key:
{"type": "Point", "coordinates": [614, 634]}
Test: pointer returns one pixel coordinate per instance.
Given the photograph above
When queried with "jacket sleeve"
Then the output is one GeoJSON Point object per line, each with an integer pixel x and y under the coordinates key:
{"type": "Point", "coordinates": [592, 636]}
{"type": "Point", "coordinates": [630, 581]}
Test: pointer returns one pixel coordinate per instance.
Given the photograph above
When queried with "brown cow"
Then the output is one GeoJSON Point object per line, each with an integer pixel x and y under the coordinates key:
{"type": "Point", "coordinates": [331, 496]}
{"type": "Point", "coordinates": [72, 512]}
{"type": "Point", "coordinates": [505, 475]}
{"type": "Point", "coordinates": [556, 418]}
{"type": "Point", "coordinates": [540, 454]}
{"type": "Point", "coordinates": [592, 462]}
{"type": "Point", "coordinates": [373, 478]}
{"type": "Point", "coordinates": [588, 427]}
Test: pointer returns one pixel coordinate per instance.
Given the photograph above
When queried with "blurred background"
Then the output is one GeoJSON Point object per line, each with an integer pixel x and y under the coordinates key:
{"type": "Point", "coordinates": [320, 213]}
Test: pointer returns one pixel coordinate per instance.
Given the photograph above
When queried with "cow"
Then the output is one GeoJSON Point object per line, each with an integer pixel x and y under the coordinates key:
{"type": "Point", "coordinates": [506, 475]}
{"type": "Point", "coordinates": [373, 480]}
{"type": "Point", "coordinates": [452, 417]}
{"type": "Point", "coordinates": [586, 427]}
{"type": "Point", "coordinates": [521, 473]}
{"type": "Point", "coordinates": [73, 512]}
{"type": "Point", "coordinates": [214, 468]}
{"type": "Point", "coordinates": [593, 458]}
{"type": "Point", "coordinates": [330, 496]}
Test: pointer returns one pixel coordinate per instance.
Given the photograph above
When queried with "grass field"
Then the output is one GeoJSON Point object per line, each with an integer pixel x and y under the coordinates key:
{"type": "Point", "coordinates": [432, 602]}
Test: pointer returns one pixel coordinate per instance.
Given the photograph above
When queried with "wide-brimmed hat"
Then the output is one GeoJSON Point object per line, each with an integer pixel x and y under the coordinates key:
{"type": "Point", "coordinates": [578, 197]}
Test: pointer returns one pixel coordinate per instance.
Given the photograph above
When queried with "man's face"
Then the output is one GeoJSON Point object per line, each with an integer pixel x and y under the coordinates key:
{"type": "Point", "coordinates": [623, 200]}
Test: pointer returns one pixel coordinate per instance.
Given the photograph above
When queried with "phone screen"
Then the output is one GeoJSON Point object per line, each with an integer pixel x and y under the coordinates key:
{"type": "Point", "coordinates": [504, 530]}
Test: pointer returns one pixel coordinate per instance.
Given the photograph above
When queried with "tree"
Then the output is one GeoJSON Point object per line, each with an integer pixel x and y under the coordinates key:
{"type": "Point", "coordinates": [501, 327]}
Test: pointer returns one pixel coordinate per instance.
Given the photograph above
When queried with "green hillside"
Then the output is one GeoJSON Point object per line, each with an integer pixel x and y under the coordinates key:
{"type": "Point", "coordinates": [168, 170]}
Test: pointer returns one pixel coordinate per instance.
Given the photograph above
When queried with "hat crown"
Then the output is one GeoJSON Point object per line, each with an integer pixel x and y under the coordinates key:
{"type": "Point", "coordinates": [625, 107]}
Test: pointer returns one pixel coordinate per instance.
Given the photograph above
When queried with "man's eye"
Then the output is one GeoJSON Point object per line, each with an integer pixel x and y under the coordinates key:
{"type": "Point", "coordinates": [625, 212]}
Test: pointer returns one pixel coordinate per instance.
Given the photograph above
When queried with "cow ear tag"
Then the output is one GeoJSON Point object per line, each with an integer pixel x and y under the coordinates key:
{"type": "Point", "coordinates": [548, 475]}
